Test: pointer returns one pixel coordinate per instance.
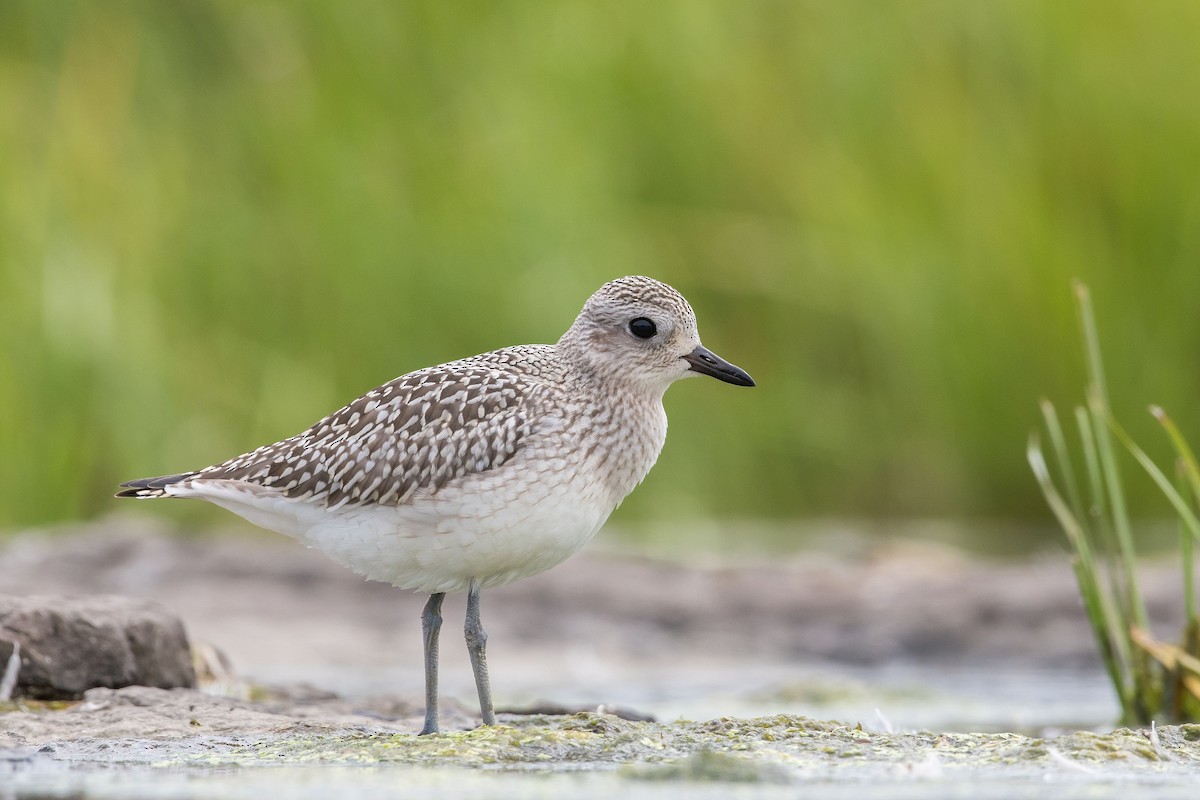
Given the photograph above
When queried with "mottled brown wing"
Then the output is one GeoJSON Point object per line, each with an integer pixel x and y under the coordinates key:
{"type": "Point", "coordinates": [418, 431]}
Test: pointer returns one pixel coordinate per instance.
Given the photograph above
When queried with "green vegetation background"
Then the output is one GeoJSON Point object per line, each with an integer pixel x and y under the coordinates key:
{"type": "Point", "coordinates": [220, 221]}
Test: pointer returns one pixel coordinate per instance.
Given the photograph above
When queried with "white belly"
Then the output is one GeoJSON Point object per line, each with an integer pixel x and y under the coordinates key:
{"type": "Point", "coordinates": [488, 527]}
{"type": "Point", "coordinates": [510, 522]}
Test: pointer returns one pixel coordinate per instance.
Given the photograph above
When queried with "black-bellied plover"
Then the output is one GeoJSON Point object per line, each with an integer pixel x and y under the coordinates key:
{"type": "Point", "coordinates": [480, 471]}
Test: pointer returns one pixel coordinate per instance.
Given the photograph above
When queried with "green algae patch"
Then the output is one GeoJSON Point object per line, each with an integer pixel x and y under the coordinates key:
{"type": "Point", "coordinates": [1169, 744]}
{"type": "Point", "coordinates": [36, 706]}
{"type": "Point", "coordinates": [775, 749]}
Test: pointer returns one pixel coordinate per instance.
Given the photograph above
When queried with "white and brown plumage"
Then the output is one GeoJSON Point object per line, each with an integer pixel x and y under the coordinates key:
{"type": "Point", "coordinates": [480, 471]}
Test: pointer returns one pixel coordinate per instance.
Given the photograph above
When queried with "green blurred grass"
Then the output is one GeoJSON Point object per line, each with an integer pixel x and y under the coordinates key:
{"type": "Point", "coordinates": [220, 221]}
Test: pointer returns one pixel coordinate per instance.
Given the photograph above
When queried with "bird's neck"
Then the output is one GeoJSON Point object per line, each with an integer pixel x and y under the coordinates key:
{"type": "Point", "coordinates": [625, 437]}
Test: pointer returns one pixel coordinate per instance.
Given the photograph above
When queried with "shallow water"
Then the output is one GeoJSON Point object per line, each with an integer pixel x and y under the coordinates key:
{"type": "Point", "coordinates": [896, 697]}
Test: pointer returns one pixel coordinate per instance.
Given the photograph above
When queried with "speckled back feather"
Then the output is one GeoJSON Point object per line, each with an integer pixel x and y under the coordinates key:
{"type": "Point", "coordinates": [416, 432]}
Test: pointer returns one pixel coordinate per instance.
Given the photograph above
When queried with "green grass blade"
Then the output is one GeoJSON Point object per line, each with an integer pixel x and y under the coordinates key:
{"type": "Point", "coordinates": [1097, 394]}
{"type": "Point", "coordinates": [1187, 458]}
{"type": "Point", "coordinates": [1099, 502]}
{"type": "Point", "coordinates": [1186, 542]}
{"type": "Point", "coordinates": [1063, 459]}
{"type": "Point", "coordinates": [1126, 556]}
{"type": "Point", "coordinates": [1108, 627]}
{"type": "Point", "coordinates": [1098, 513]}
{"type": "Point", "coordinates": [1061, 509]}
{"type": "Point", "coordinates": [1187, 478]}
{"type": "Point", "coordinates": [1186, 515]}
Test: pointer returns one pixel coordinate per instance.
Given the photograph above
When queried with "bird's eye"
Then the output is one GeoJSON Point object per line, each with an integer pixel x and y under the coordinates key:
{"type": "Point", "coordinates": [642, 328]}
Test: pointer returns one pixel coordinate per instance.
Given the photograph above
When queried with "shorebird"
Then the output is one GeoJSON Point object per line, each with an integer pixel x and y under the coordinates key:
{"type": "Point", "coordinates": [480, 471]}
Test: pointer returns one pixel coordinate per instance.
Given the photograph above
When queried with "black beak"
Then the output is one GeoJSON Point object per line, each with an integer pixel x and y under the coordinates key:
{"type": "Point", "coordinates": [707, 362]}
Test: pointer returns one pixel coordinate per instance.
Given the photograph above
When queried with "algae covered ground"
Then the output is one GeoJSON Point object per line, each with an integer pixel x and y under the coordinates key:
{"type": "Point", "coordinates": [586, 754]}
{"type": "Point", "coordinates": [771, 749]}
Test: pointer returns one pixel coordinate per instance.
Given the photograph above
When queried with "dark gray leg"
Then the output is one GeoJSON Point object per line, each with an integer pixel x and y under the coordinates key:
{"type": "Point", "coordinates": [476, 647]}
{"type": "Point", "coordinates": [431, 625]}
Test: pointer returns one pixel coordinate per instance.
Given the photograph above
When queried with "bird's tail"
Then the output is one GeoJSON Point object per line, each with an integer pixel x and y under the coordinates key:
{"type": "Point", "coordinates": [152, 487]}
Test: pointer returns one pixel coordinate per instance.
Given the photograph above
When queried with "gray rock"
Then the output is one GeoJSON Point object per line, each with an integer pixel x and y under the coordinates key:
{"type": "Point", "coordinates": [69, 645]}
